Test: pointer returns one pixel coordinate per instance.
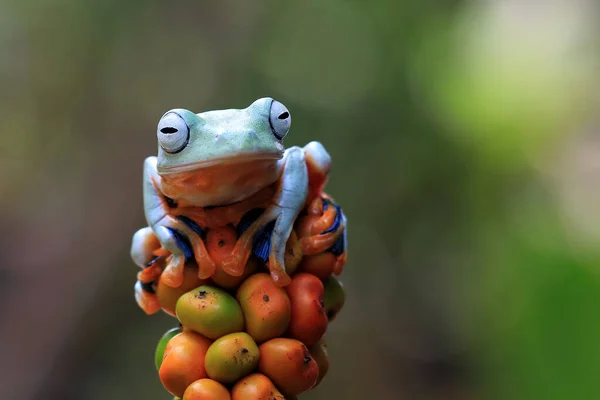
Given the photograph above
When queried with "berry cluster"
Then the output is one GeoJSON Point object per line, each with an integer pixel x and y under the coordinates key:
{"type": "Point", "coordinates": [245, 337]}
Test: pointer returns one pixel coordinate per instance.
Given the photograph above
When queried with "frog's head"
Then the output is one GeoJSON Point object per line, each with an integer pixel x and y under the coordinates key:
{"type": "Point", "coordinates": [189, 141]}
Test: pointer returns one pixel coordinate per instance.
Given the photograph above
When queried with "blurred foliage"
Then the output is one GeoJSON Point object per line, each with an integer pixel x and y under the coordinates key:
{"type": "Point", "coordinates": [464, 143]}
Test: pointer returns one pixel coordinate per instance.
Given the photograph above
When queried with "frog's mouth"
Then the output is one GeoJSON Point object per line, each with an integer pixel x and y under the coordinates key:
{"type": "Point", "coordinates": [220, 162]}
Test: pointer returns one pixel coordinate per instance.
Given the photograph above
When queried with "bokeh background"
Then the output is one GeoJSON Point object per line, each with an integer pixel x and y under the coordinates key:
{"type": "Point", "coordinates": [466, 155]}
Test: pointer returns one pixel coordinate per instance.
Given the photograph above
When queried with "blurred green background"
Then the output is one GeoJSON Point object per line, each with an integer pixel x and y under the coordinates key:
{"type": "Point", "coordinates": [466, 153]}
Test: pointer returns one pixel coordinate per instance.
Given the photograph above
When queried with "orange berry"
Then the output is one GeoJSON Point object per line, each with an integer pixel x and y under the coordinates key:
{"type": "Point", "coordinates": [309, 320]}
{"type": "Point", "coordinates": [220, 241]}
{"type": "Point", "coordinates": [206, 389]}
{"type": "Point", "coordinates": [183, 362]}
{"type": "Point", "coordinates": [256, 387]}
{"type": "Point", "coordinates": [210, 311]}
{"type": "Point", "coordinates": [231, 357]}
{"type": "Point", "coordinates": [289, 364]}
{"type": "Point", "coordinates": [266, 307]}
{"type": "Point", "coordinates": [162, 345]}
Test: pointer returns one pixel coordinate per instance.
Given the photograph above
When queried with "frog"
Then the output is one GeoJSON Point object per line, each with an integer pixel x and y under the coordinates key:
{"type": "Point", "coordinates": [215, 168]}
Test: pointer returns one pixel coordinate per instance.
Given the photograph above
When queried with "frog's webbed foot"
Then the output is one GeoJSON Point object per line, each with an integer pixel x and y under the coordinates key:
{"type": "Point", "coordinates": [330, 227]}
{"type": "Point", "coordinates": [182, 237]}
{"type": "Point", "coordinates": [329, 231]}
{"type": "Point", "coordinates": [193, 237]}
{"type": "Point", "coordinates": [173, 241]}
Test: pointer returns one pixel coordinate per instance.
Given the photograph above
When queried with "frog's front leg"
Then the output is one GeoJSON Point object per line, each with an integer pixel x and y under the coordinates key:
{"type": "Point", "coordinates": [269, 233]}
{"type": "Point", "coordinates": [176, 235]}
{"type": "Point", "coordinates": [303, 179]}
{"type": "Point", "coordinates": [290, 198]}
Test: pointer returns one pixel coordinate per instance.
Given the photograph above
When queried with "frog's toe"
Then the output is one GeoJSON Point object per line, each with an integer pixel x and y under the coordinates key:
{"type": "Point", "coordinates": [173, 274]}
{"type": "Point", "coordinates": [235, 263]}
{"type": "Point", "coordinates": [206, 265]}
{"type": "Point", "coordinates": [145, 297]}
{"type": "Point", "coordinates": [151, 272]}
{"type": "Point", "coordinates": [315, 206]}
{"type": "Point", "coordinates": [278, 274]}
{"type": "Point", "coordinates": [316, 244]}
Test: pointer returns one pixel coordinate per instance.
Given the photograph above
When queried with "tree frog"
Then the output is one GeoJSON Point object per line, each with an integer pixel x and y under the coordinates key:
{"type": "Point", "coordinates": [228, 167]}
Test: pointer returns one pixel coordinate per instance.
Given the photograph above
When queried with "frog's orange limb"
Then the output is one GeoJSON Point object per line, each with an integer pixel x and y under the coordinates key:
{"type": "Point", "coordinates": [313, 226]}
{"type": "Point", "coordinates": [151, 273]}
{"type": "Point", "coordinates": [206, 265]}
{"type": "Point", "coordinates": [173, 273]}
{"type": "Point", "coordinates": [147, 301]}
{"type": "Point", "coordinates": [313, 243]}
{"type": "Point", "coordinates": [319, 243]}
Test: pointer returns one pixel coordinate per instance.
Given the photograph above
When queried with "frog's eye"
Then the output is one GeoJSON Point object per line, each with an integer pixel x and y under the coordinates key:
{"type": "Point", "coordinates": [280, 119]}
{"type": "Point", "coordinates": [172, 132]}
